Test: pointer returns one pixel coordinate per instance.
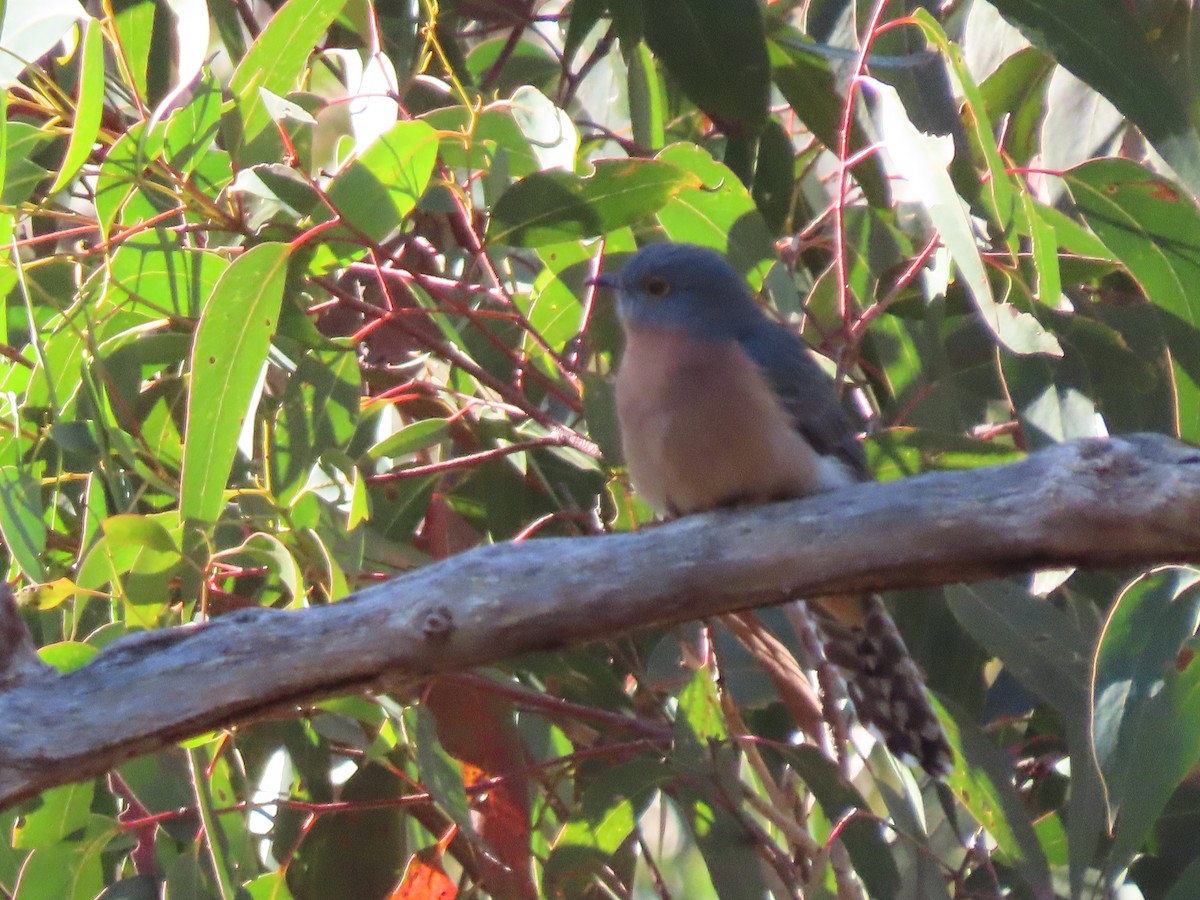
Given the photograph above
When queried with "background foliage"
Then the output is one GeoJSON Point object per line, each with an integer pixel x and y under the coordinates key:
{"type": "Point", "coordinates": [296, 299]}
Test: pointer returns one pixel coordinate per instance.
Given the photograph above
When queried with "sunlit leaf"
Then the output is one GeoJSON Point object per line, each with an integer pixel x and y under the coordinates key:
{"type": "Point", "coordinates": [922, 159]}
{"type": "Point", "coordinates": [67, 656]}
{"type": "Point", "coordinates": [89, 107]}
{"type": "Point", "coordinates": [62, 810]}
{"type": "Point", "coordinates": [717, 212]}
{"type": "Point", "coordinates": [30, 30]}
{"type": "Point", "coordinates": [227, 358]}
{"type": "Point", "coordinates": [275, 63]}
{"type": "Point", "coordinates": [376, 191]}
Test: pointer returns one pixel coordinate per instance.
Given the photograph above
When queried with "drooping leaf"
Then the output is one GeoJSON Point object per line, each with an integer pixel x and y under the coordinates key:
{"type": "Point", "coordinates": [89, 107]}
{"type": "Point", "coordinates": [804, 77]}
{"type": "Point", "coordinates": [1049, 654]}
{"type": "Point", "coordinates": [230, 349]}
{"type": "Point", "coordinates": [922, 159]}
{"type": "Point", "coordinates": [607, 814]}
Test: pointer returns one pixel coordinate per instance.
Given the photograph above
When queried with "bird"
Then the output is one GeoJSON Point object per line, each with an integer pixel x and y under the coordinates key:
{"type": "Point", "coordinates": [719, 405]}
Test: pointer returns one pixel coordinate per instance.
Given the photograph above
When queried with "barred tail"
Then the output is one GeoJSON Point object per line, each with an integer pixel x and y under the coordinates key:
{"type": "Point", "coordinates": [885, 684]}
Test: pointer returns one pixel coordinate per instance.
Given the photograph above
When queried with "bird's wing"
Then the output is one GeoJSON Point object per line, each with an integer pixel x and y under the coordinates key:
{"type": "Point", "coordinates": [807, 393]}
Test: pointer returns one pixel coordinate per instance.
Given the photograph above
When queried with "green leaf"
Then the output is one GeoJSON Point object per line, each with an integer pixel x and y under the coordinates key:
{"type": "Point", "coordinates": [1044, 238]}
{"type": "Point", "coordinates": [439, 772]}
{"type": "Point", "coordinates": [606, 816]}
{"type": "Point", "coordinates": [553, 207]}
{"type": "Point", "coordinates": [22, 173]}
{"type": "Point", "coordinates": [1049, 412]}
{"type": "Point", "coordinates": [717, 212]}
{"type": "Point", "coordinates": [67, 656]}
{"type": "Point", "coordinates": [57, 376]}
{"type": "Point", "coordinates": [600, 410]}
{"type": "Point", "coordinates": [494, 142]}
{"type": "Point", "coordinates": [521, 65]}
{"type": "Point", "coordinates": [718, 53]}
{"type": "Point", "coordinates": [900, 452]}
{"type": "Point", "coordinates": [1153, 227]}
{"type": "Point", "coordinates": [774, 176]}
{"type": "Point", "coordinates": [1103, 43]}
{"type": "Point", "coordinates": [138, 531]}
{"type": "Point", "coordinates": [275, 63]}
{"type": "Point", "coordinates": [155, 276]}
{"type": "Point", "coordinates": [861, 832]}
{"type": "Point", "coordinates": [192, 129]}
{"type": "Point", "coordinates": [922, 160]}
{"type": "Point", "coordinates": [7, 227]}
{"type": "Point", "coordinates": [357, 855]}
{"type": "Point", "coordinates": [134, 21]}
{"type": "Point", "coordinates": [699, 721]}
{"type": "Point", "coordinates": [997, 184]}
{"type": "Point", "coordinates": [89, 108]}
{"type": "Point", "coordinates": [1146, 695]}
{"type": "Point", "coordinates": [804, 78]}
{"type": "Point", "coordinates": [22, 520]}
{"type": "Point", "coordinates": [66, 871]}
{"type": "Point", "coordinates": [375, 192]}
{"type": "Point", "coordinates": [119, 175]}
{"type": "Point", "coordinates": [1037, 642]}
{"type": "Point", "coordinates": [63, 810]}
{"type": "Point", "coordinates": [231, 344]}
{"type": "Point", "coordinates": [319, 413]}
{"type": "Point", "coordinates": [701, 749]}
{"type": "Point", "coordinates": [725, 843]}
{"type": "Point", "coordinates": [1016, 91]}
{"type": "Point", "coordinates": [546, 130]}
{"type": "Point", "coordinates": [273, 192]}
{"type": "Point", "coordinates": [224, 835]}
{"type": "Point", "coordinates": [984, 787]}
{"type": "Point", "coordinates": [647, 105]}
{"type": "Point", "coordinates": [1187, 886]}
{"type": "Point", "coordinates": [584, 16]}
{"type": "Point", "coordinates": [1049, 655]}
{"type": "Point", "coordinates": [411, 439]}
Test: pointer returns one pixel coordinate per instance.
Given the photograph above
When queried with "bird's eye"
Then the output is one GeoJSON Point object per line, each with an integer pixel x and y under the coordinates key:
{"type": "Point", "coordinates": [657, 287]}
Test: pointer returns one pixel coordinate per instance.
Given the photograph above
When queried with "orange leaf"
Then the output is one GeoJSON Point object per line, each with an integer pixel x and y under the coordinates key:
{"type": "Point", "coordinates": [424, 878]}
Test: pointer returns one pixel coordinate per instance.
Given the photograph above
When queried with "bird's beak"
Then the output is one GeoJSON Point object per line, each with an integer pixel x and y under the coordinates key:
{"type": "Point", "coordinates": [604, 281]}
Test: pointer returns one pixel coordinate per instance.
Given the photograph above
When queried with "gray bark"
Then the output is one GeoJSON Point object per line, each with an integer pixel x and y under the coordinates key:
{"type": "Point", "coordinates": [1133, 501]}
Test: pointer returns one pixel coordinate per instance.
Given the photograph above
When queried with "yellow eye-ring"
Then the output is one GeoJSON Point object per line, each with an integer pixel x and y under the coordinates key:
{"type": "Point", "coordinates": [656, 286]}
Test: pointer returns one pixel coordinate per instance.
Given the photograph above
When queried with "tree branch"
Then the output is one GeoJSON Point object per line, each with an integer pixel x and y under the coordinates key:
{"type": "Point", "coordinates": [1122, 502]}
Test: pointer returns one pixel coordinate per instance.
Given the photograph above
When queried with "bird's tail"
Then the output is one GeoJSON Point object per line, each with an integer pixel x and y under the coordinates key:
{"type": "Point", "coordinates": [885, 684]}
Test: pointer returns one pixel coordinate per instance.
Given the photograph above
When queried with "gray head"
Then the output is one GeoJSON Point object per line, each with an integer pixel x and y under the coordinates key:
{"type": "Point", "coordinates": [682, 286]}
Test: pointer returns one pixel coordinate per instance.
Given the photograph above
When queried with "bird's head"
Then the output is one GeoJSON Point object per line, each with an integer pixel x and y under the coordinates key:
{"type": "Point", "coordinates": [683, 287]}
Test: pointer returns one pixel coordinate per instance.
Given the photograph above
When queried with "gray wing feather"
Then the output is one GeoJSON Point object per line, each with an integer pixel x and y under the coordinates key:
{"type": "Point", "coordinates": [807, 393]}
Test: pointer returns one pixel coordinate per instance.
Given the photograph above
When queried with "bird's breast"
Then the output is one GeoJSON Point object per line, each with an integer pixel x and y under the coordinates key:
{"type": "Point", "coordinates": [701, 427]}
